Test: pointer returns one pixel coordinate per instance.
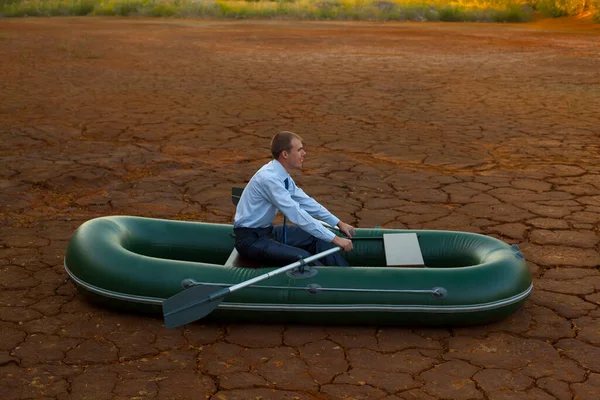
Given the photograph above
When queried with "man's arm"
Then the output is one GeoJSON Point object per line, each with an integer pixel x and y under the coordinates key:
{"type": "Point", "coordinates": [346, 229]}
{"type": "Point", "coordinates": [281, 198]}
{"type": "Point", "coordinates": [345, 244]}
{"type": "Point", "coordinates": [312, 207]}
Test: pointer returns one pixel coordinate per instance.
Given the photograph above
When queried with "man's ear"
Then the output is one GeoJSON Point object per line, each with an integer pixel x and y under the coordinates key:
{"type": "Point", "coordinates": [285, 154]}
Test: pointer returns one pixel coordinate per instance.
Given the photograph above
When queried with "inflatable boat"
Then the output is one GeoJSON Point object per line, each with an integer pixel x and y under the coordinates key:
{"type": "Point", "coordinates": [136, 264]}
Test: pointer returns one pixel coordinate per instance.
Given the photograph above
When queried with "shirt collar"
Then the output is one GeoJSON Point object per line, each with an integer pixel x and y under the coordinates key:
{"type": "Point", "coordinates": [279, 170]}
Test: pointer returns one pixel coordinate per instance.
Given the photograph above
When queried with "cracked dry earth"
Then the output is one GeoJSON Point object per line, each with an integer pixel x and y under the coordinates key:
{"type": "Point", "coordinates": [482, 128]}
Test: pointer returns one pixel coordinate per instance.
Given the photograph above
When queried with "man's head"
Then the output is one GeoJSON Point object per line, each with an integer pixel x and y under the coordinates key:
{"type": "Point", "coordinates": [286, 148]}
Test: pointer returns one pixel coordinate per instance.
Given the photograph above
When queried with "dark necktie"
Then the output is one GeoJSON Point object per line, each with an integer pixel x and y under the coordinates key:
{"type": "Point", "coordinates": [287, 185]}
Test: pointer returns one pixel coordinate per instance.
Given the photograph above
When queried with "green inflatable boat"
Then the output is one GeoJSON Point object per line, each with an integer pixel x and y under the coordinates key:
{"type": "Point", "coordinates": [138, 263]}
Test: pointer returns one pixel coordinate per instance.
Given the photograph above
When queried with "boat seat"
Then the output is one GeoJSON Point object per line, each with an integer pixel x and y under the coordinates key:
{"type": "Point", "coordinates": [402, 250]}
{"type": "Point", "coordinates": [235, 260]}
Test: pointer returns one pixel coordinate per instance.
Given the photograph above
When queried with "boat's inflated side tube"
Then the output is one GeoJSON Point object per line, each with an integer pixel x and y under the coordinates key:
{"type": "Point", "coordinates": [136, 260]}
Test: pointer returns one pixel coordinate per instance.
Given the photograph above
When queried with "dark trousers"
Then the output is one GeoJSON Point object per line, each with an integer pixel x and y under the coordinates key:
{"type": "Point", "coordinates": [265, 246]}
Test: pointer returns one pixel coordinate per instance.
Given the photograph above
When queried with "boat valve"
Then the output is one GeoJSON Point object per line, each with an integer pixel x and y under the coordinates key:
{"type": "Point", "coordinates": [439, 292]}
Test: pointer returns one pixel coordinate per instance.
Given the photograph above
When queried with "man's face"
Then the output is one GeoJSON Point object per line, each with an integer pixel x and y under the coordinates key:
{"type": "Point", "coordinates": [296, 154]}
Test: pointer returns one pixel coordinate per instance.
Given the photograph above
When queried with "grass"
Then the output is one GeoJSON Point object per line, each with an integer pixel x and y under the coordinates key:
{"type": "Point", "coordinates": [383, 10]}
{"type": "Point", "coordinates": [434, 10]}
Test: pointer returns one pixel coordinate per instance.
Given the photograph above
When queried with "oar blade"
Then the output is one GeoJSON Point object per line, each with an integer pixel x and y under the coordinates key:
{"type": "Point", "coordinates": [180, 309]}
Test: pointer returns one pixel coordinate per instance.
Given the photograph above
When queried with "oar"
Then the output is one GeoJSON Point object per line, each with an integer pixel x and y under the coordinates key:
{"type": "Point", "coordinates": [198, 301]}
{"type": "Point", "coordinates": [236, 193]}
{"type": "Point", "coordinates": [326, 225]}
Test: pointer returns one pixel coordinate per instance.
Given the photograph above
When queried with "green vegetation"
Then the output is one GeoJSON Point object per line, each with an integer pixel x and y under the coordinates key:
{"type": "Point", "coordinates": [382, 10]}
{"type": "Point", "coordinates": [563, 8]}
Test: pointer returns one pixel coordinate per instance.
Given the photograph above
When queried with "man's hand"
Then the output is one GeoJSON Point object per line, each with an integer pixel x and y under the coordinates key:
{"type": "Point", "coordinates": [345, 244]}
{"type": "Point", "coordinates": [346, 229]}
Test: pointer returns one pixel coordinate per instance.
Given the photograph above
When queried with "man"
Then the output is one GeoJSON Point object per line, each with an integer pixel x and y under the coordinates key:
{"type": "Point", "coordinates": [272, 189]}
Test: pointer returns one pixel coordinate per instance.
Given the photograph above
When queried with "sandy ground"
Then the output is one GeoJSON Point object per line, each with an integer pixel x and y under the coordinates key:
{"type": "Point", "coordinates": [483, 128]}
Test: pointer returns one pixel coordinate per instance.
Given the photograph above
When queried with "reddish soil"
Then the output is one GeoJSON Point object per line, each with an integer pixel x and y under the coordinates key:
{"type": "Point", "coordinates": [484, 128]}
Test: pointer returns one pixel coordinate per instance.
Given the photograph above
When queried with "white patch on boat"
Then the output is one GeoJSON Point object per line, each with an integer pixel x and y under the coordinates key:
{"type": "Point", "coordinates": [402, 250]}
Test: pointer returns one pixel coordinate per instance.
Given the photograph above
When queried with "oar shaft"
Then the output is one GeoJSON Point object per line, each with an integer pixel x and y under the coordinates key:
{"type": "Point", "coordinates": [282, 269]}
{"type": "Point", "coordinates": [225, 291]}
{"type": "Point", "coordinates": [326, 225]}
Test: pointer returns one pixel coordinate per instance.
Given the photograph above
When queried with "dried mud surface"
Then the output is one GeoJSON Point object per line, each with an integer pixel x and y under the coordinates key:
{"type": "Point", "coordinates": [483, 128]}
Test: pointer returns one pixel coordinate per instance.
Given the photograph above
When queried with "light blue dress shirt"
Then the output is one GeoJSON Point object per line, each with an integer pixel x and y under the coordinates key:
{"type": "Point", "coordinates": [265, 194]}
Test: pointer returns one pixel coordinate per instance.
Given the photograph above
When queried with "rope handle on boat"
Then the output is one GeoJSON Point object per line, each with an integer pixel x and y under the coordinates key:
{"type": "Point", "coordinates": [518, 254]}
{"type": "Point", "coordinates": [437, 292]}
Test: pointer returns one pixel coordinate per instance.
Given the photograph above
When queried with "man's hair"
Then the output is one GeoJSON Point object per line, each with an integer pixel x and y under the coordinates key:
{"type": "Point", "coordinates": [282, 141]}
